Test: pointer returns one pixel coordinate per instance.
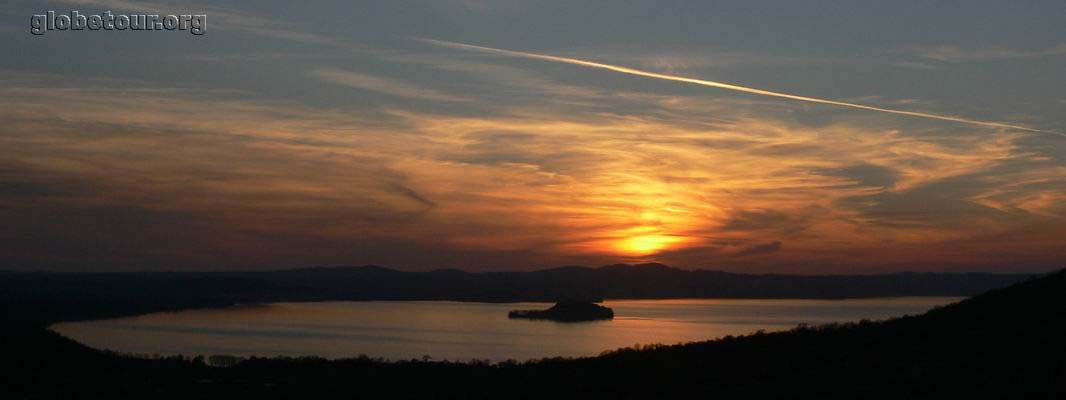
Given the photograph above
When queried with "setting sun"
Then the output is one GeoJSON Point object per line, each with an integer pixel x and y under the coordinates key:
{"type": "Point", "coordinates": [647, 244]}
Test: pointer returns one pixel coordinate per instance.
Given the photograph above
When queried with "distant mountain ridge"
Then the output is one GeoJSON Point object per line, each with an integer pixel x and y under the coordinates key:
{"type": "Point", "coordinates": [135, 292]}
{"type": "Point", "coordinates": [636, 281]}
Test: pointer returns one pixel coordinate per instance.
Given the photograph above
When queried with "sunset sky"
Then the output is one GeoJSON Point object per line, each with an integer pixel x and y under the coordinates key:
{"type": "Point", "coordinates": [455, 133]}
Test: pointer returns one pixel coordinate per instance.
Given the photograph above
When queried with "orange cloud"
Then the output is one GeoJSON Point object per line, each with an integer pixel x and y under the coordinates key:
{"type": "Point", "coordinates": [266, 181]}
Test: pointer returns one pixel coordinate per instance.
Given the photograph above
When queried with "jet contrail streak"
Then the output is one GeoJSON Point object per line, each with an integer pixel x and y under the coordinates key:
{"type": "Point", "coordinates": [637, 72]}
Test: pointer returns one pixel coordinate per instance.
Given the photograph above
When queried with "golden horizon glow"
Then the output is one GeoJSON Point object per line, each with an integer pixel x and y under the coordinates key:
{"type": "Point", "coordinates": [644, 245]}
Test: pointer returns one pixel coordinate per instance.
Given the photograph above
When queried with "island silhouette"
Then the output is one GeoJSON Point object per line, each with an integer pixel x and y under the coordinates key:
{"type": "Point", "coordinates": [567, 311]}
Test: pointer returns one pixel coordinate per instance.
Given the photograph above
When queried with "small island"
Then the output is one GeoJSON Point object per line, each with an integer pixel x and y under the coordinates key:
{"type": "Point", "coordinates": [567, 311]}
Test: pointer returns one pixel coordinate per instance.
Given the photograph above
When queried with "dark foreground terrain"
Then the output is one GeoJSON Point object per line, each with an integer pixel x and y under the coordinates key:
{"type": "Point", "coordinates": [1007, 343]}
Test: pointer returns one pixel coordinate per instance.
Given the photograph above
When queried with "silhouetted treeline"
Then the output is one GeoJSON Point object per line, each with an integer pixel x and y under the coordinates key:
{"type": "Point", "coordinates": [1007, 343]}
{"type": "Point", "coordinates": [67, 296]}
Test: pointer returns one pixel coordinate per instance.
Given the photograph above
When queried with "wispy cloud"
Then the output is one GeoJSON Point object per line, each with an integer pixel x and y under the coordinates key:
{"type": "Point", "coordinates": [506, 81]}
{"type": "Point", "coordinates": [382, 85]}
{"type": "Point", "coordinates": [917, 65]}
{"type": "Point", "coordinates": [958, 54]}
{"type": "Point", "coordinates": [712, 181]}
{"type": "Point", "coordinates": [721, 85]}
{"type": "Point", "coordinates": [693, 59]}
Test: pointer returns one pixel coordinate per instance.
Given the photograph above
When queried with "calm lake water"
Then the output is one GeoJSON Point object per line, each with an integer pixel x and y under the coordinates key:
{"type": "Point", "coordinates": [461, 331]}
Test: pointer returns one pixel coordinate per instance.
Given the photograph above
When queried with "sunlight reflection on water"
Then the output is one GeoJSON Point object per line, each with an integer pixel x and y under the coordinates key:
{"type": "Point", "coordinates": [461, 331]}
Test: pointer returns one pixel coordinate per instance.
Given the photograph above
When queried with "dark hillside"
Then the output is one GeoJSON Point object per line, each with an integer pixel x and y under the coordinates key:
{"type": "Point", "coordinates": [1003, 344]}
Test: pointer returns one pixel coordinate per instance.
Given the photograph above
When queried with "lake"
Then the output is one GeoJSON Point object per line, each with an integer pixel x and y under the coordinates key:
{"type": "Point", "coordinates": [459, 330]}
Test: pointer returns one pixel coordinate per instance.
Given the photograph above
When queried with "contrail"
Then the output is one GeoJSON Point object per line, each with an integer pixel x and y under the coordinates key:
{"type": "Point", "coordinates": [637, 72]}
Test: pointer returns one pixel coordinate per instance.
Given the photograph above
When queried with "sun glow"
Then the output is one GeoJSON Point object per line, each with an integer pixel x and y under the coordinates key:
{"type": "Point", "coordinates": [647, 244]}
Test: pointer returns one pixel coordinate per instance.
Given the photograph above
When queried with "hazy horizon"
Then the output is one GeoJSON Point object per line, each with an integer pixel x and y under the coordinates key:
{"type": "Point", "coordinates": [222, 269]}
{"type": "Point", "coordinates": [216, 269]}
{"type": "Point", "coordinates": [766, 137]}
